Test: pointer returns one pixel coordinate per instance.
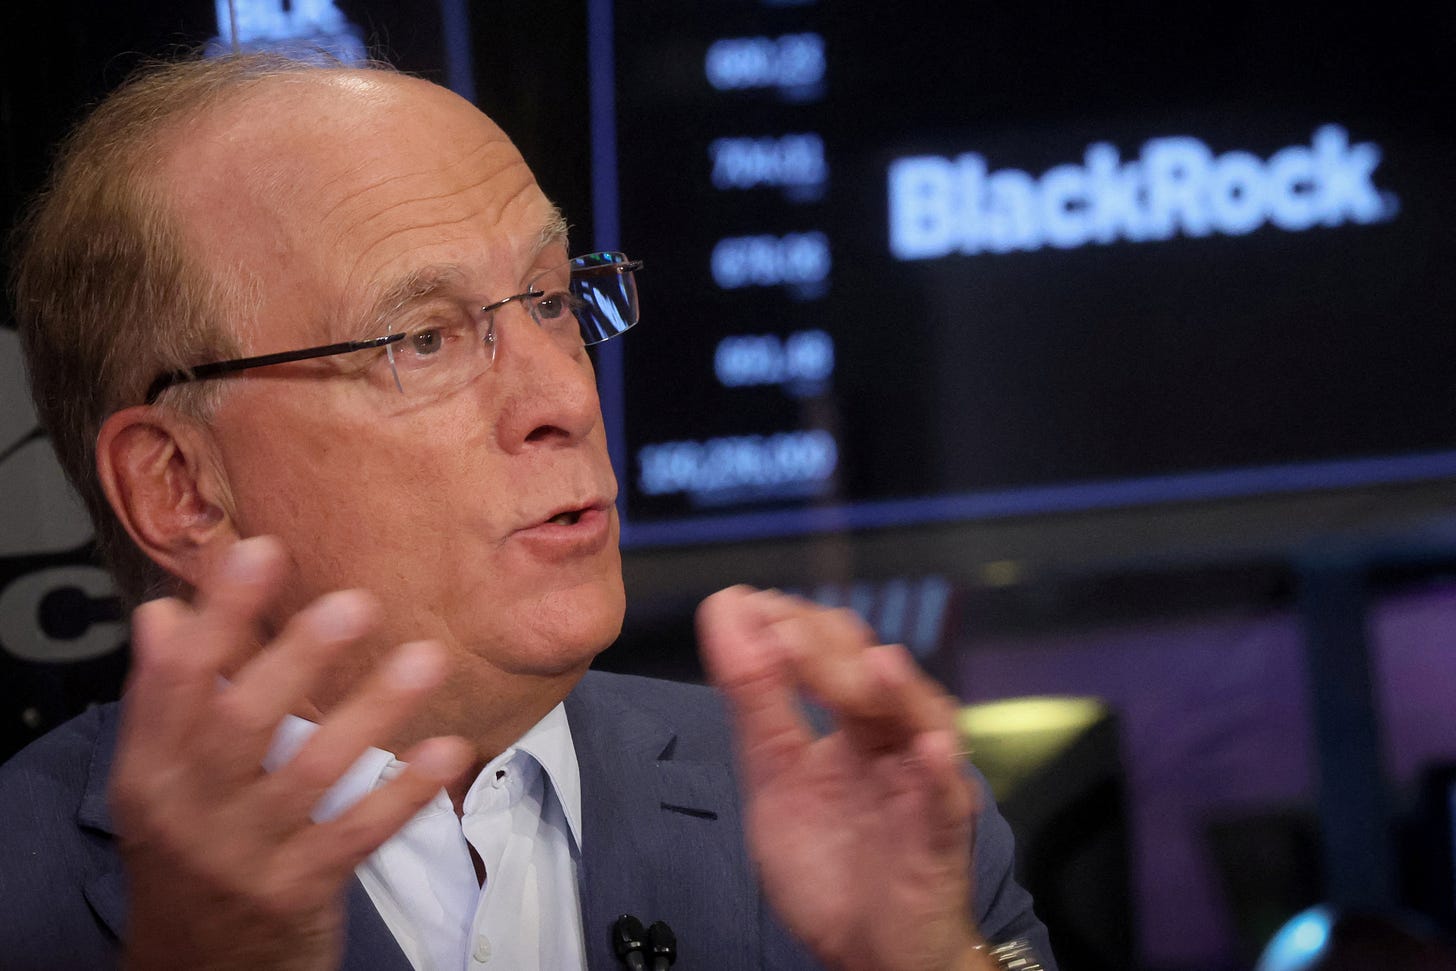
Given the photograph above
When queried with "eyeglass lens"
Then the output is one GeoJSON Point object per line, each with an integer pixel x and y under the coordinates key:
{"type": "Point", "coordinates": [588, 300]}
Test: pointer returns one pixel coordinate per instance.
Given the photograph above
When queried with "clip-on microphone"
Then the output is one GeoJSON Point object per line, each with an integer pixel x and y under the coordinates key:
{"type": "Point", "coordinates": [627, 942]}
{"type": "Point", "coordinates": [664, 945]}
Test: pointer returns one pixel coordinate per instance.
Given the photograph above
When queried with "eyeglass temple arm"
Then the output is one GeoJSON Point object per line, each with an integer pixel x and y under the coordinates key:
{"type": "Point", "coordinates": [204, 371]}
{"type": "Point", "coordinates": [630, 266]}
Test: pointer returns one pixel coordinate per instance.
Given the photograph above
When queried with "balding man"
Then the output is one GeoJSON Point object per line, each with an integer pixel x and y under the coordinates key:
{"type": "Point", "coordinates": [310, 343]}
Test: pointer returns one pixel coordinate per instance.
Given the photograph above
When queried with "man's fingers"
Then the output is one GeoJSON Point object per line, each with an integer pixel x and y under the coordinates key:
{"type": "Point", "coordinates": [393, 693]}
{"type": "Point", "coordinates": [826, 650]}
{"type": "Point", "coordinates": [154, 676]}
{"type": "Point", "coordinates": [762, 648]}
{"type": "Point", "coordinates": [924, 729]}
{"type": "Point", "coordinates": [875, 692]}
{"type": "Point", "coordinates": [331, 850]}
{"type": "Point", "coordinates": [294, 661]}
{"type": "Point", "coordinates": [246, 712]}
{"type": "Point", "coordinates": [178, 651]}
{"type": "Point", "coordinates": [910, 700]}
{"type": "Point", "coordinates": [950, 800]}
{"type": "Point", "coordinates": [230, 604]}
{"type": "Point", "coordinates": [748, 666]}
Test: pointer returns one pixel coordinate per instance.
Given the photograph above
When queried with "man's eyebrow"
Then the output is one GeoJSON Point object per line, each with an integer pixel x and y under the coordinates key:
{"type": "Point", "coordinates": [427, 282]}
{"type": "Point", "coordinates": [418, 286]}
{"type": "Point", "coordinates": [553, 233]}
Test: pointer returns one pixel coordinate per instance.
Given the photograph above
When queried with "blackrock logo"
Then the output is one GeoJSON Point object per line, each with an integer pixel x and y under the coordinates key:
{"type": "Point", "coordinates": [315, 30]}
{"type": "Point", "coordinates": [1176, 185]}
{"type": "Point", "coordinates": [41, 517]}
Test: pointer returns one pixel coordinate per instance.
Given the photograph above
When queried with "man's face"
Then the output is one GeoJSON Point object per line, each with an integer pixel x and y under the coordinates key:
{"type": "Point", "coordinates": [318, 196]}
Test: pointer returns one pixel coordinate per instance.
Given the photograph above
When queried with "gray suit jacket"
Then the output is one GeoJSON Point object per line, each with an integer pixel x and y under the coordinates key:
{"type": "Point", "coordinates": [661, 839]}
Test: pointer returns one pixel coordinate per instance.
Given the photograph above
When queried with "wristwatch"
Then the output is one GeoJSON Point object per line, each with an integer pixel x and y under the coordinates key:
{"type": "Point", "coordinates": [1017, 955]}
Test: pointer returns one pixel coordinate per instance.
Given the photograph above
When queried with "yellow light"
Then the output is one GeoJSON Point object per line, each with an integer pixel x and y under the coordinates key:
{"type": "Point", "coordinates": [1037, 714]}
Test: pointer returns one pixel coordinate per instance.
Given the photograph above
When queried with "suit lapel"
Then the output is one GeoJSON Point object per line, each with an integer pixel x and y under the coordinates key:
{"type": "Point", "coordinates": [661, 835]}
{"type": "Point", "coordinates": [369, 944]}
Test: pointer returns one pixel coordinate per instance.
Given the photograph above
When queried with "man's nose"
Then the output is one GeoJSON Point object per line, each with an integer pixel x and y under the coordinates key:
{"type": "Point", "coordinates": [547, 390]}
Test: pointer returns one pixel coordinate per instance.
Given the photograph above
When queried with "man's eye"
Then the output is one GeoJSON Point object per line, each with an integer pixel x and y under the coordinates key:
{"type": "Point", "coordinates": [431, 346]}
{"type": "Point", "coordinates": [557, 303]}
{"type": "Point", "coordinates": [427, 342]}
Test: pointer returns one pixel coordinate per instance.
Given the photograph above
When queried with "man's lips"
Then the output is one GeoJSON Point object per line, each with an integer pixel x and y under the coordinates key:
{"type": "Point", "coordinates": [568, 535]}
{"type": "Point", "coordinates": [570, 528]}
{"type": "Point", "coordinates": [571, 515]}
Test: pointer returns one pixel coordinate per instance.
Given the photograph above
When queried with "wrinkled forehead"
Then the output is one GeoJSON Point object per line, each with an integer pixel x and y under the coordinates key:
{"type": "Point", "coordinates": [338, 184]}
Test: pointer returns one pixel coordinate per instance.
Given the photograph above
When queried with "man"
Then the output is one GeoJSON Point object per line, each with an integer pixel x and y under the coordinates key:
{"type": "Point", "coordinates": [431, 471]}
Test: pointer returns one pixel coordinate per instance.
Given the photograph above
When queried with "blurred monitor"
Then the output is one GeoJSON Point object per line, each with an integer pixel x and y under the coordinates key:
{"type": "Point", "coordinates": [911, 263]}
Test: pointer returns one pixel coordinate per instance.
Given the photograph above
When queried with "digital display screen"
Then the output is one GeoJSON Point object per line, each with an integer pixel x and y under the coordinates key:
{"type": "Point", "coordinates": [905, 264]}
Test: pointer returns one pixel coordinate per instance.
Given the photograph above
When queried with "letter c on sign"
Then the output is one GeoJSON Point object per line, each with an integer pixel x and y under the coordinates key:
{"type": "Point", "coordinates": [21, 633]}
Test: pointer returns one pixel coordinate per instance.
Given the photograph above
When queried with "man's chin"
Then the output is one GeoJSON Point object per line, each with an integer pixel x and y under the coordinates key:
{"type": "Point", "coordinates": [563, 633]}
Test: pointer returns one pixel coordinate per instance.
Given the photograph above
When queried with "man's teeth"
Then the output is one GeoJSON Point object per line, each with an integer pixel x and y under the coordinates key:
{"type": "Point", "coordinates": [565, 518]}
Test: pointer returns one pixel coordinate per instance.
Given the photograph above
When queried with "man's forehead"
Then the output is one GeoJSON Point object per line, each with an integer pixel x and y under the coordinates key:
{"type": "Point", "coordinates": [302, 172]}
{"type": "Point", "coordinates": [319, 96]}
{"type": "Point", "coordinates": [307, 131]}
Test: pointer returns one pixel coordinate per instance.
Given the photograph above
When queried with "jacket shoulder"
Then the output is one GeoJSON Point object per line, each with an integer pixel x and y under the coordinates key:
{"type": "Point", "coordinates": [59, 762]}
{"type": "Point", "coordinates": [55, 843]}
{"type": "Point", "coordinates": [694, 713]}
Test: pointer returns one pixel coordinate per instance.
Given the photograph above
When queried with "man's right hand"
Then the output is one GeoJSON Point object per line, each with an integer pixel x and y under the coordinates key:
{"type": "Point", "coordinates": [226, 869]}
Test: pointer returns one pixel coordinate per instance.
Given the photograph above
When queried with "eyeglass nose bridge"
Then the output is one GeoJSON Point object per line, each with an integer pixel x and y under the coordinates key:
{"type": "Point", "coordinates": [530, 300]}
{"type": "Point", "coordinates": [485, 323]}
{"type": "Point", "coordinates": [524, 298]}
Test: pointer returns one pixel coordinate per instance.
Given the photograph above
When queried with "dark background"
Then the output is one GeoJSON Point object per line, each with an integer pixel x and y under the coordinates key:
{"type": "Point", "coordinates": [992, 373]}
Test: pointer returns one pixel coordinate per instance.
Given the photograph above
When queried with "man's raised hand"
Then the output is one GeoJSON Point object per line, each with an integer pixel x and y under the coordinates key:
{"type": "Point", "coordinates": [862, 837]}
{"type": "Point", "coordinates": [225, 866]}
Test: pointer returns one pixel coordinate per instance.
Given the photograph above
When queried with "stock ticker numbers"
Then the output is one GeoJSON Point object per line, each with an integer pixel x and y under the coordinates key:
{"type": "Point", "coordinates": [733, 410]}
{"type": "Point", "coordinates": [906, 268]}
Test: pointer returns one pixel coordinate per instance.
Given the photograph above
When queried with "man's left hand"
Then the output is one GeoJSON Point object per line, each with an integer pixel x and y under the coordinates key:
{"type": "Point", "coordinates": [862, 837]}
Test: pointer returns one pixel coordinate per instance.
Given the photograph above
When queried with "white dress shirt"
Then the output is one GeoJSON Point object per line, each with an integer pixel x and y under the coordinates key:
{"type": "Point", "coordinates": [522, 815]}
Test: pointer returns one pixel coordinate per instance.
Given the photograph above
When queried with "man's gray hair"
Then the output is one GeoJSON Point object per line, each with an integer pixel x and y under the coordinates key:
{"type": "Point", "coordinates": [105, 293]}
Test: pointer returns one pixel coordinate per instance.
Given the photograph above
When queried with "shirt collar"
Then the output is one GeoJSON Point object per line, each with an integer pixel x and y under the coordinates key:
{"type": "Point", "coordinates": [548, 742]}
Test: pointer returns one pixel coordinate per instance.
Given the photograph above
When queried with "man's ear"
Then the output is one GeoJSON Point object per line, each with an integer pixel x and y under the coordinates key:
{"type": "Point", "coordinates": [161, 476]}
